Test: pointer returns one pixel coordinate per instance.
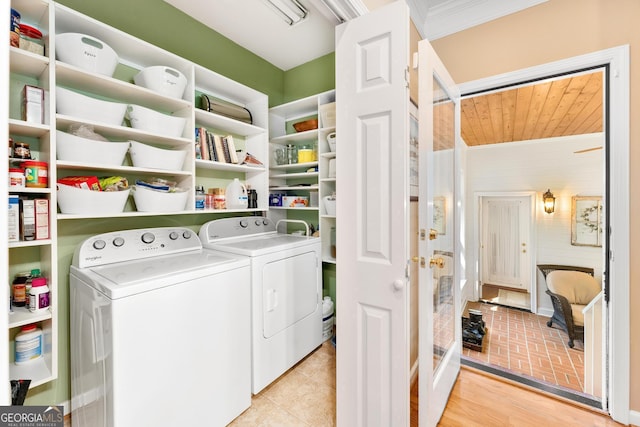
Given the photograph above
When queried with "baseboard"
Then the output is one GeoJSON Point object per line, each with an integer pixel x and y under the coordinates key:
{"type": "Point", "coordinates": [413, 372]}
{"type": "Point", "coordinates": [634, 418]}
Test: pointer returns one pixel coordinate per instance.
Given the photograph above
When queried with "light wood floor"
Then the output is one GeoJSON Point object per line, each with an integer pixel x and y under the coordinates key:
{"type": "Point", "coordinates": [482, 400]}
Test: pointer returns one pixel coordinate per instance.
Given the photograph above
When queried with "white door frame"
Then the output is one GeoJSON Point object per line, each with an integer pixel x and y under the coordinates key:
{"type": "Point", "coordinates": [476, 259]}
{"type": "Point", "coordinates": [617, 59]}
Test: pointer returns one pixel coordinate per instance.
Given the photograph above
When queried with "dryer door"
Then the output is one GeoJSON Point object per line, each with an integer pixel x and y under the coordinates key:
{"type": "Point", "coordinates": [290, 291]}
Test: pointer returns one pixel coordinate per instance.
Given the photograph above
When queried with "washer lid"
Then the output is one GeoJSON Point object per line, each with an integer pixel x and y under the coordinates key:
{"type": "Point", "coordinates": [131, 277]}
{"type": "Point", "coordinates": [261, 244]}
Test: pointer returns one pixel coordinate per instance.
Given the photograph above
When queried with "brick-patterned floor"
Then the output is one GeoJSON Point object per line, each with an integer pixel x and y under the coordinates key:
{"type": "Point", "coordinates": [523, 343]}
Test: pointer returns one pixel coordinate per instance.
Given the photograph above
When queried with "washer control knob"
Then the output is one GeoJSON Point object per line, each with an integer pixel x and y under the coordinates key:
{"type": "Point", "coordinates": [258, 222]}
{"type": "Point", "coordinates": [148, 238]}
{"type": "Point", "coordinates": [118, 241]}
{"type": "Point", "coordinates": [173, 235]}
{"type": "Point", "coordinates": [99, 244]}
{"type": "Point", "coordinates": [265, 221]}
{"type": "Point", "coordinates": [244, 223]}
{"type": "Point", "coordinates": [186, 234]}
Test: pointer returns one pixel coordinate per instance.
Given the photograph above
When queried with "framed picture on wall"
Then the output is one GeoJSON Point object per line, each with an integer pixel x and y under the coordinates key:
{"type": "Point", "coordinates": [586, 221]}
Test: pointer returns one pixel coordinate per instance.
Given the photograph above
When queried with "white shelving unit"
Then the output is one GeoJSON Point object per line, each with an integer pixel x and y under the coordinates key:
{"type": "Point", "coordinates": [303, 179]}
{"type": "Point", "coordinates": [134, 54]}
{"type": "Point", "coordinates": [29, 68]}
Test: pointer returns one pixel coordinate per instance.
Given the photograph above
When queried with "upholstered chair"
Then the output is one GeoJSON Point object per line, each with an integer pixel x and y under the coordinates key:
{"type": "Point", "coordinates": [571, 289]}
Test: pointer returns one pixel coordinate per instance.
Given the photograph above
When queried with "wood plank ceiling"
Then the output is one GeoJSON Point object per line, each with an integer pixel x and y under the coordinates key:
{"type": "Point", "coordinates": [564, 107]}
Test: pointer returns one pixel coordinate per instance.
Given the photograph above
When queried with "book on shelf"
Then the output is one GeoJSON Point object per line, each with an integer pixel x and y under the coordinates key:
{"type": "Point", "coordinates": [213, 154]}
{"type": "Point", "coordinates": [219, 148]}
{"type": "Point", "coordinates": [233, 155]}
{"type": "Point", "coordinates": [198, 145]}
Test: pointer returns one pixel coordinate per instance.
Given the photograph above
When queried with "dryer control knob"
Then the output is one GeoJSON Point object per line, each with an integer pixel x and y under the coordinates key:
{"type": "Point", "coordinates": [148, 237]}
{"type": "Point", "coordinates": [186, 234]}
{"type": "Point", "coordinates": [173, 235]}
{"type": "Point", "coordinates": [265, 221]}
{"type": "Point", "coordinates": [118, 241]}
{"type": "Point", "coordinates": [258, 222]}
{"type": "Point", "coordinates": [99, 244]}
{"type": "Point", "coordinates": [244, 223]}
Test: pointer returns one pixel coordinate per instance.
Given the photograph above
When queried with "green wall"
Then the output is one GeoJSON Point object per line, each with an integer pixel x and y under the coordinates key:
{"type": "Point", "coordinates": [164, 26]}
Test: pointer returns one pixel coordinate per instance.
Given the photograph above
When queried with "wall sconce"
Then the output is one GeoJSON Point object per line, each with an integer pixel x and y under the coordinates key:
{"type": "Point", "coordinates": [549, 202]}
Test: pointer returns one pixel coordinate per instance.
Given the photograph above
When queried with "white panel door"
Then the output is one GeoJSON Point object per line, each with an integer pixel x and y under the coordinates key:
{"type": "Point", "coordinates": [372, 156]}
{"type": "Point", "coordinates": [506, 258]}
{"type": "Point", "coordinates": [439, 204]}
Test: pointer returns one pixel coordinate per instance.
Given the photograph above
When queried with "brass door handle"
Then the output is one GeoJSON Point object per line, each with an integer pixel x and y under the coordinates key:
{"type": "Point", "coordinates": [439, 262]}
{"type": "Point", "coordinates": [421, 259]}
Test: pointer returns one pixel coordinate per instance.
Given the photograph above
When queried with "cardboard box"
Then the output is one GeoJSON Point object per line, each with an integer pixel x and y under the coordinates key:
{"type": "Point", "coordinates": [42, 218]}
{"type": "Point", "coordinates": [27, 219]}
{"type": "Point", "coordinates": [33, 104]}
{"type": "Point", "coordinates": [14, 218]}
{"type": "Point", "coordinates": [295, 201]}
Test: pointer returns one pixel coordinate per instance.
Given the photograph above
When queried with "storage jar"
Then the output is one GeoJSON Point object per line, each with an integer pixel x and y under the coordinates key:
{"type": "Point", "coordinates": [16, 177]}
{"type": "Point", "coordinates": [31, 39]}
{"type": "Point", "coordinates": [21, 150]}
{"type": "Point", "coordinates": [36, 174]}
{"type": "Point", "coordinates": [19, 289]}
{"type": "Point", "coordinates": [305, 154]}
{"type": "Point", "coordinates": [28, 344]}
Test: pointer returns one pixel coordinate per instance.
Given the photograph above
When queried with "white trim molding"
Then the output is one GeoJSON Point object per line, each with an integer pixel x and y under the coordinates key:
{"type": "Point", "coordinates": [617, 60]}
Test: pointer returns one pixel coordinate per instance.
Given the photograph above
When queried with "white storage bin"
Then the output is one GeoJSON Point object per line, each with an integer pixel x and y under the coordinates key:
{"type": "Point", "coordinates": [329, 205]}
{"type": "Point", "coordinates": [86, 52]}
{"type": "Point", "coordinates": [73, 148]}
{"type": "Point", "coordinates": [80, 106]}
{"type": "Point", "coordinates": [328, 115]}
{"type": "Point", "coordinates": [164, 80]}
{"type": "Point", "coordinates": [73, 200]}
{"type": "Point", "coordinates": [149, 200]}
{"type": "Point", "coordinates": [147, 156]}
{"type": "Point", "coordinates": [152, 121]}
{"type": "Point", "coordinates": [331, 140]}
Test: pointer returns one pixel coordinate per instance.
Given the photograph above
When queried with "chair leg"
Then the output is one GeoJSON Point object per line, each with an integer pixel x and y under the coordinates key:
{"type": "Point", "coordinates": [549, 323]}
{"type": "Point", "coordinates": [570, 343]}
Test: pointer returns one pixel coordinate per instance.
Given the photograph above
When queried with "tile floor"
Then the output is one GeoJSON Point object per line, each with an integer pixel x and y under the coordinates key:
{"type": "Point", "coordinates": [303, 397]}
{"type": "Point", "coordinates": [522, 342]}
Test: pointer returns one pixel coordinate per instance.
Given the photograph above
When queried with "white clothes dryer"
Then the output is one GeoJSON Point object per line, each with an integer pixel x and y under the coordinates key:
{"type": "Point", "coordinates": [160, 331]}
{"type": "Point", "coordinates": [286, 291]}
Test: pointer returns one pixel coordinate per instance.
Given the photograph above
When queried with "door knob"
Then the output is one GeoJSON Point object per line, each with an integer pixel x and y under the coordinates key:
{"type": "Point", "coordinates": [439, 262]}
{"type": "Point", "coordinates": [433, 234]}
{"type": "Point", "coordinates": [398, 285]}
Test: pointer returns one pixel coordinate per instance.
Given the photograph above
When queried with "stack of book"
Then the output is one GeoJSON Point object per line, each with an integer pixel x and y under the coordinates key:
{"type": "Point", "coordinates": [217, 148]}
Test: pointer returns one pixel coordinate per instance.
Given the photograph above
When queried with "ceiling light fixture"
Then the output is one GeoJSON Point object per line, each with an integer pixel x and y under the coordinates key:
{"type": "Point", "coordinates": [291, 11]}
{"type": "Point", "coordinates": [345, 10]}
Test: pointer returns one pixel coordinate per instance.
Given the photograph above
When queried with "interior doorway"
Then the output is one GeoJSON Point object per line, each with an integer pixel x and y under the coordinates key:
{"type": "Point", "coordinates": [505, 262]}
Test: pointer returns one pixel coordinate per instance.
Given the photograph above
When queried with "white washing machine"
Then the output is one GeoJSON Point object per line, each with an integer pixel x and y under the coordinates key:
{"type": "Point", "coordinates": [286, 291]}
{"type": "Point", "coordinates": [160, 331]}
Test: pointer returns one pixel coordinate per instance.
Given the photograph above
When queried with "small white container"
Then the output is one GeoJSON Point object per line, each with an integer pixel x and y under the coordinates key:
{"type": "Point", "coordinates": [328, 115]}
{"type": "Point", "coordinates": [150, 120]}
{"type": "Point", "coordinates": [28, 344]}
{"type": "Point", "coordinates": [164, 80]}
{"type": "Point", "coordinates": [147, 156]}
{"type": "Point", "coordinates": [80, 106]}
{"type": "Point", "coordinates": [329, 205]}
{"type": "Point", "coordinates": [73, 200]}
{"type": "Point", "coordinates": [39, 295]}
{"type": "Point", "coordinates": [331, 140]}
{"type": "Point", "coordinates": [74, 148]}
{"type": "Point", "coordinates": [327, 318]}
{"type": "Point", "coordinates": [86, 52]}
{"type": "Point", "coordinates": [149, 200]}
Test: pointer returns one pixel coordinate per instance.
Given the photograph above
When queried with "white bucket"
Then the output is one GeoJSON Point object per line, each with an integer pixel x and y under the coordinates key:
{"type": "Point", "coordinates": [327, 318]}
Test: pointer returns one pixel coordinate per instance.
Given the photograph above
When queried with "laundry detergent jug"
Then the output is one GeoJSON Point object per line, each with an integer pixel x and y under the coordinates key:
{"type": "Point", "coordinates": [237, 197]}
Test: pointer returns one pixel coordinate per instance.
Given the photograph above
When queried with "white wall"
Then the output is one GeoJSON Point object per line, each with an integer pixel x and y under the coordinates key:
{"type": "Point", "coordinates": [535, 166]}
